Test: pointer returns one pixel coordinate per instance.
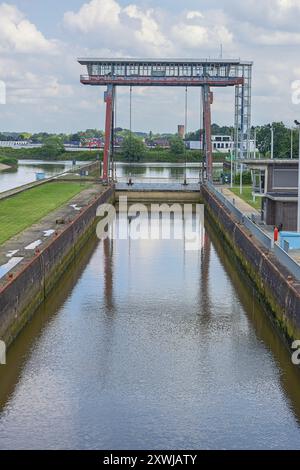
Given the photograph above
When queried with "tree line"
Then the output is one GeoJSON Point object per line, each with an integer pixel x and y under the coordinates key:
{"type": "Point", "coordinates": [133, 148]}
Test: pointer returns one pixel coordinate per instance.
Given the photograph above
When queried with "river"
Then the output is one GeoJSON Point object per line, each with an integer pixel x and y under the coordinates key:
{"type": "Point", "coordinates": [154, 172]}
{"type": "Point", "coordinates": [145, 345]}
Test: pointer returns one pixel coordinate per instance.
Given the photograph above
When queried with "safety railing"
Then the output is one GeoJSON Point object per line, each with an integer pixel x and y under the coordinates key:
{"type": "Point", "coordinates": [261, 236]}
{"type": "Point", "coordinates": [286, 260]}
{"type": "Point", "coordinates": [282, 256]}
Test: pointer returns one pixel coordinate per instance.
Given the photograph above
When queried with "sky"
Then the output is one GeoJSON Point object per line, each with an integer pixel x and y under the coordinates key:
{"type": "Point", "coordinates": [41, 40]}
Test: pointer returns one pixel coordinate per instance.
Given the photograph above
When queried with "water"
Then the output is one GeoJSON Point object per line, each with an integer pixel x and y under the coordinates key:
{"type": "Point", "coordinates": [146, 345]}
{"type": "Point", "coordinates": [26, 172]}
{"type": "Point", "coordinates": [154, 172]}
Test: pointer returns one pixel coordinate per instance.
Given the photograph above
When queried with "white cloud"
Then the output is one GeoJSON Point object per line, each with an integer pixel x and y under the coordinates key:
{"type": "Point", "coordinates": [277, 38]}
{"type": "Point", "coordinates": [17, 34]}
{"type": "Point", "coordinates": [266, 32]}
{"type": "Point", "coordinates": [191, 15]}
{"type": "Point", "coordinates": [128, 28]}
{"type": "Point", "coordinates": [148, 31]}
{"type": "Point", "coordinates": [209, 30]}
{"type": "Point", "coordinates": [94, 14]}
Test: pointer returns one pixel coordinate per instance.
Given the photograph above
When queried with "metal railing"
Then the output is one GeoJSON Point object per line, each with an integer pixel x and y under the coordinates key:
{"type": "Point", "coordinates": [282, 256]}
{"type": "Point", "coordinates": [286, 260]}
{"type": "Point", "coordinates": [259, 234]}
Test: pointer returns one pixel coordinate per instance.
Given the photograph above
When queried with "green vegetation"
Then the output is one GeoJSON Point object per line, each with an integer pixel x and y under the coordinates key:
{"type": "Point", "coordinates": [177, 146]}
{"type": "Point", "coordinates": [52, 149]}
{"type": "Point", "coordinates": [282, 140]}
{"type": "Point", "coordinates": [247, 180]}
{"type": "Point", "coordinates": [156, 155]}
{"type": "Point", "coordinates": [22, 210]}
{"type": "Point", "coordinates": [132, 148]}
{"type": "Point", "coordinates": [247, 196]}
{"type": "Point", "coordinates": [11, 161]}
{"type": "Point", "coordinates": [37, 154]}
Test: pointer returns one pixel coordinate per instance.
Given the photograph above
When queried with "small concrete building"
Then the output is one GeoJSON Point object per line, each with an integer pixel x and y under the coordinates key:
{"type": "Point", "coordinates": [276, 182]}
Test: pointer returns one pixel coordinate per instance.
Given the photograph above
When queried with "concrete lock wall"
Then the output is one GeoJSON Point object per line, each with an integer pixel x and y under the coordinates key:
{"type": "Point", "coordinates": [22, 295]}
{"type": "Point", "coordinates": [273, 281]}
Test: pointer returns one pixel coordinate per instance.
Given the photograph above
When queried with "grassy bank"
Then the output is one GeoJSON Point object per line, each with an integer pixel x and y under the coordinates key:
{"type": "Point", "coordinates": [10, 161]}
{"type": "Point", "coordinates": [150, 156]}
{"type": "Point", "coordinates": [247, 196]}
{"type": "Point", "coordinates": [20, 211]}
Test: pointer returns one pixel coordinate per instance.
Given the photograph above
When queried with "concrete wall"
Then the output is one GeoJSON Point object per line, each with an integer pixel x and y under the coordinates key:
{"type": "Point", "coordinates": [273, 282]}
{"type": "Point", "coordinates": [20, 298]}
{"type": "Point", "coordinates": [160, 196]}
{"type": "Point", "coordinates": [281, 212]}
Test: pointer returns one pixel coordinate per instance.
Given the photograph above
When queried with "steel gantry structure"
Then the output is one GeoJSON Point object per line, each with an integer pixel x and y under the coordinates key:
{"type": "Point", "coordinates": [205, 73]}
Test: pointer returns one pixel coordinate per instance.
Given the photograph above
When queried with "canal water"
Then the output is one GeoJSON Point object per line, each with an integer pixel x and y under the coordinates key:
{"type": "Point", "coordinates": [154, 172]}
{"type": "Point", "coordinates": [145, 344]}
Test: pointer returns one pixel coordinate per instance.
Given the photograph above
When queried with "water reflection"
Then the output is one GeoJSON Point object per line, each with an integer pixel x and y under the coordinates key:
{"type": "Point", "coordinates": [156, 172]}
{"type": "Point", "coordinates": [146, 345]}
{"type": "Point", "coordinates": [26, 172]}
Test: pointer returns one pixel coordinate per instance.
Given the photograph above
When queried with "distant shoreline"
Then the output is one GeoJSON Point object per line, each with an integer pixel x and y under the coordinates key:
{"type": "Point", "coordinates": [4, 167]}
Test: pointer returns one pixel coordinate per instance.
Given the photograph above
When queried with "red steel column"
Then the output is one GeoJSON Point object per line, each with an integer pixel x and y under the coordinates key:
{"type": "Point", "coordinates": [207, 102]}
{"type": "Point", "coordinates": [109, 100]}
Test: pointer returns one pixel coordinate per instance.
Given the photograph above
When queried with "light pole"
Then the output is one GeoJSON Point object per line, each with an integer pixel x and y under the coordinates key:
{"type": "Point", "coordinates": [298, 218]}
{"type": "Point", "coordinates": [254, 151]}
{"type": "Point", "coordinates": [272, 142]}
{"type": "Point", "coordinates": [291, 142]}
{"type": "Point", "coordinates": [231, 169]}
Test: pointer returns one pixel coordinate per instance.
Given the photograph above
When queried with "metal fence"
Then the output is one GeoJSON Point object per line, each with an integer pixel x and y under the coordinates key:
{"type": "Point", "coordinates": [282, 256]}
{"type": "Point", "coordinates": [285, 259]}
{"type": "Point", "coordinates": [261, 236]}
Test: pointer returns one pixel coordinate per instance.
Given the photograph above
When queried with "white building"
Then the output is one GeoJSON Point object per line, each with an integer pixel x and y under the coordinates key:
{"type": "Point", "coordinates": [220, 143]}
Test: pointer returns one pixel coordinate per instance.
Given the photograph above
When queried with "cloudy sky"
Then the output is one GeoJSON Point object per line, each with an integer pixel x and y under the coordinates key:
{"type": "Point", "coordinates": [40, 41]}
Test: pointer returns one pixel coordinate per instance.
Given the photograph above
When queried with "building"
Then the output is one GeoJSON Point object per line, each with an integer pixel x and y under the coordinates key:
{"type": "Point", "coordinates": [162, 142]}
{"type": "Point", "coordinates": [220, 143]}
{"type": "Point", "coordinates": [276, 182]}
{"type": "Point", "coordinates": [181, 130]}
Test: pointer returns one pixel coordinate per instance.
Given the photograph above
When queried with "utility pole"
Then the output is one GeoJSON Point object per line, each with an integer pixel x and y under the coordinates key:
{"type": "Point", "coordinates": [298, 218]}
{"type": "Point", "coordinates": [231, 169]}
{"type": "Point", "coordinates": [272, 142]}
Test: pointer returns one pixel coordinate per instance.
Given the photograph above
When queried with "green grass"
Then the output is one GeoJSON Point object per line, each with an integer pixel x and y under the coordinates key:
{"type": "Point", "coordinates": [247, 196]}
{"type": "Point", "coordinates": [22, 210]}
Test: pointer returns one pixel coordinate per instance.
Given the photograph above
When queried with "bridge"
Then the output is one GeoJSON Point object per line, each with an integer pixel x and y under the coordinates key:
{"type": "Point", "coordinates": [204, 73]}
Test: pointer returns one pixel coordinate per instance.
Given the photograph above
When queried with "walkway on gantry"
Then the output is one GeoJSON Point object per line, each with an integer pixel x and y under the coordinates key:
{"type": "Point", "coordinates": [151, 187]}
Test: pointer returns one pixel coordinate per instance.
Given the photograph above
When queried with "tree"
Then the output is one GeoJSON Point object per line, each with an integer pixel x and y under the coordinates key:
{"type": "Point", "coordinates": [177, 145]}
{"type": "Point", "coordinates": [25, 136]}
{"type": "Point", "coordinates": [281, 140]}
{"type": "Point", "coordinates": [132, 148]}
{"type": "Point", "coordinates": [52, 149]}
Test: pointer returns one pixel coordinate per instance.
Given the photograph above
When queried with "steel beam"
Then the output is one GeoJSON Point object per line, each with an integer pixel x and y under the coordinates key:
{"type": "Point", "coordinates": [99, 80]}
{"type": "Point", "coordinates": [109, 100]}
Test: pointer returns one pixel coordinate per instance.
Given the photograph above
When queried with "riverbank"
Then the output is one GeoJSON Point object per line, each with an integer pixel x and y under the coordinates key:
{"type": "Point", "coordinates": [4, 167]}
{"type": "Point", "coordinates": [23, 210]}
{"type": "Point", "coordinates": [150, 155]}
{"type": "Point", "coordinates": [7, 163]}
